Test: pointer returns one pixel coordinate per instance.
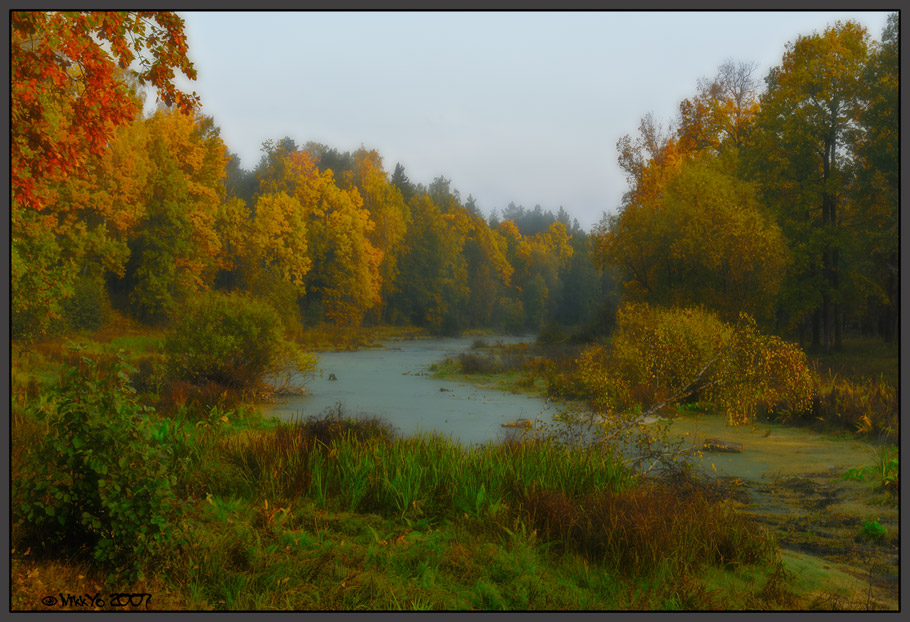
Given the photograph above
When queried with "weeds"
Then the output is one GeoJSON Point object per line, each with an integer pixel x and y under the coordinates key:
{"type": "Point", "coordinates": [885, 470]}
{"type": "Point", "coordinates": [647, 528]}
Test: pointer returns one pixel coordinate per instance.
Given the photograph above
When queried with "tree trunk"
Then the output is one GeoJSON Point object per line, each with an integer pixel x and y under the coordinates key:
{"type": "Point", "coordinates": [816, 327]}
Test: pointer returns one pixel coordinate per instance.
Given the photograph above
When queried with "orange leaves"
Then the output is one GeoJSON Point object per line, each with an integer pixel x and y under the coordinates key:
{"type": "Point", "coordinates": [66, 99]}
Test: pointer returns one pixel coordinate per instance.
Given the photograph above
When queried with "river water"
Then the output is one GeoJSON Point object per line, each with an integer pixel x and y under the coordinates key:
{"type": "Point", "coordinates": [394, 383]}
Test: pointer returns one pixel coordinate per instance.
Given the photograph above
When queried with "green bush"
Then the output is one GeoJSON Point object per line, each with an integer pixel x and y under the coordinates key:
{"type": "Point", "coordinates": [98, 482]}
{"type": "Point", "coordinates": [874, 531]}
{"type": "Point", "coordinates": [236, 341]}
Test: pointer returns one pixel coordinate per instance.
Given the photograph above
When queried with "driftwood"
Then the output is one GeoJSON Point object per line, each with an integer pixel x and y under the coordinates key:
{"type": "Point", "coordinates": [717, 445]}
{"type": "Point", "coordinates": [518, 423]}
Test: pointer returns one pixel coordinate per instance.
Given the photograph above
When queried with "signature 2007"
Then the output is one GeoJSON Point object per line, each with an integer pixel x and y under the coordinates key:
{"type": "Point", "coordinates": [116, 599]}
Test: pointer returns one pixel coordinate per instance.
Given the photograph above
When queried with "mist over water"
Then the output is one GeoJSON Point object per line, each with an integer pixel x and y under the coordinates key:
{"type": "Point", "coordinates": [394, 384]}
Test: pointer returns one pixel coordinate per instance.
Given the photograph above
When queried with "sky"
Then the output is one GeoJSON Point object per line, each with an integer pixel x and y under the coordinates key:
{"type": "Point", "coordinates": [522, 107]}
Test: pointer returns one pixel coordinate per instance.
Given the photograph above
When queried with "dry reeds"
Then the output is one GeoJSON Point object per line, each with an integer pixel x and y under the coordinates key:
{"type": "Point", "coordinates": [647, 527]}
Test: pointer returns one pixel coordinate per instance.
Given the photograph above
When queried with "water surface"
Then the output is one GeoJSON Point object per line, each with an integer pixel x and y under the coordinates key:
{"type": "Point", "coordinates": [394, 383]}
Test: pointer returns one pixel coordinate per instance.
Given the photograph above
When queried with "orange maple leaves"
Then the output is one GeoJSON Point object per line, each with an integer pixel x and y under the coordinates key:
{"type": "Point", "coordinates": [67, 95]}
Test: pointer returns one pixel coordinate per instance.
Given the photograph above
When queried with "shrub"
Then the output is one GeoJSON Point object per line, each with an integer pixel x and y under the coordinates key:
{"type": "Point", "coordinates": [659, 355]}
{"type": "Point", "coordinates": [873, 530]}
{"type": "Point", "coordinates": [98, 480]}
{"type": "Point", "coordinates": [236, 341]}
{"type": "Point", "coordinates": [471, 363]}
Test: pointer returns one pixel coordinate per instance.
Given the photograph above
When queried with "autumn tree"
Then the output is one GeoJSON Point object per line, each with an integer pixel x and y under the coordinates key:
{"type": "Point", "coordinates": [801, 153]}
{"type": "Point", "coordinates": [875, 191]}
{"type": "Point", "coordinates": [68, 96]}
{"type": "Point", "coordinates": [702, 239]}
{"type": "Point", "coordinates": [175, 249]}
{"type": "Point", "coordinates": [390, 214]}
{"type": "Point", "coordinates": [344, 281]}
{"type": "Point", "coordinates": [720, 114]}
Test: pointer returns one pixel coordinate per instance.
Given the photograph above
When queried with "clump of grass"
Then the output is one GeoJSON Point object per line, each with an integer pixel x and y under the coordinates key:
{"type": "Point", "coordinates": [874, 531]}
{"type": "Point", "coordinates": [360, 465]}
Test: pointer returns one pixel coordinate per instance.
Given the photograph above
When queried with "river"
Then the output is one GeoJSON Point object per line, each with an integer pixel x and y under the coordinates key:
{"type": "Point", "coordinates": [395, 384]}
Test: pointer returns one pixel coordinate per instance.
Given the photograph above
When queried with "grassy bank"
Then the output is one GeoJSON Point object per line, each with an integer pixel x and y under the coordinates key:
{"type": "Point", "coordinates": [331, 514]}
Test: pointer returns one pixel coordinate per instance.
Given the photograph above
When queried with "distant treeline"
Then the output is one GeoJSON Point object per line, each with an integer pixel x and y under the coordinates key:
{"type": "Point", "coordinates": [779, 202]}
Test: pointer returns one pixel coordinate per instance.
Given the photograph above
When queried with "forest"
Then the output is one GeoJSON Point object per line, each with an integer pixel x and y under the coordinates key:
{"type": "Point", "coordinates": [795, 221]}
{"type": "Point", "coordinates": [752, 269]}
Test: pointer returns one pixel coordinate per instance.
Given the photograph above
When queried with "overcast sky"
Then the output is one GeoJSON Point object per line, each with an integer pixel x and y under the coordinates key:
{"type": "Point", "coordinates": [520, 107]}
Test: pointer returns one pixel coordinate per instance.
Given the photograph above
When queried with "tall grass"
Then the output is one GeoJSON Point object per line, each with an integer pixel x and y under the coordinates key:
{"type": "Point", "coordinates": [370, 470]}
{"type": "Point", "coordinates": [648, 528]}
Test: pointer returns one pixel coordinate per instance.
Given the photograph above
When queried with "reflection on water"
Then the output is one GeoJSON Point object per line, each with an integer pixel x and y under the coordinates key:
{"type": "Point", "coordinates": [394, 384]}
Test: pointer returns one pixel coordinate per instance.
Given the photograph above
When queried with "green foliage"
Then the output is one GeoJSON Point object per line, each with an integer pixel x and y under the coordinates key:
{"type": "Point", "coordinates": [99, 480]}
{"type": "Point", "coordinates": [41, 274]}
{"type": "Point", "coordinates": [234, 340]}
{"type": "Point", "coordinates": [873, 530]}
